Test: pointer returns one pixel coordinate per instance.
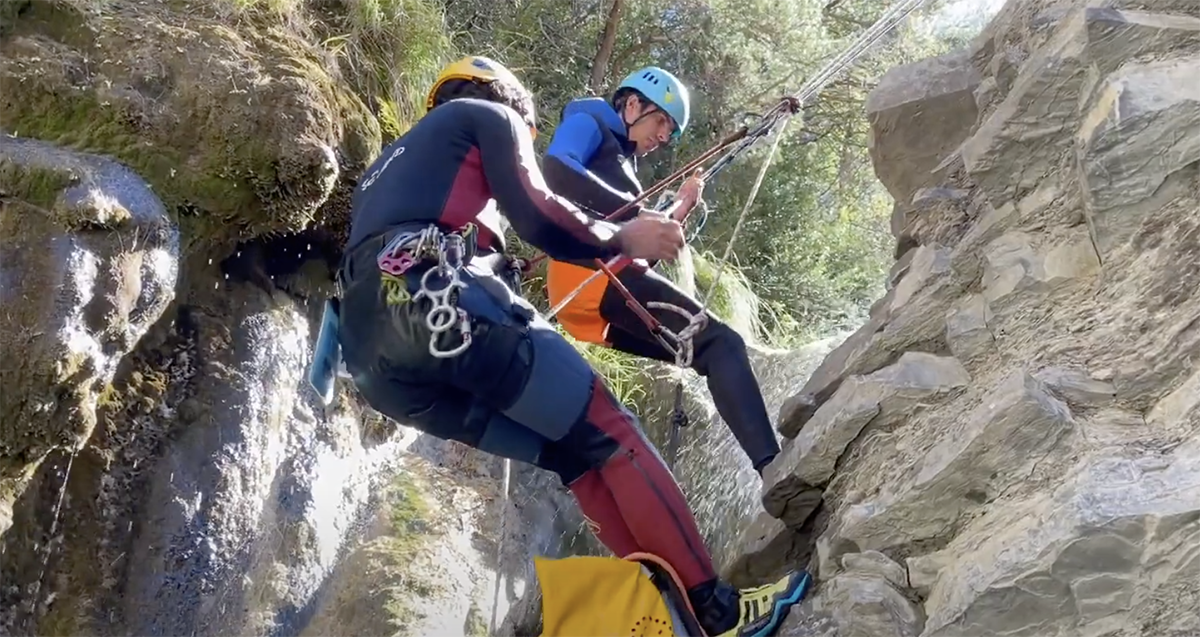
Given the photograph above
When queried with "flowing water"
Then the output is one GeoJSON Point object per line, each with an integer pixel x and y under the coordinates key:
{"type": "Point", "coordinates": [721, 486]}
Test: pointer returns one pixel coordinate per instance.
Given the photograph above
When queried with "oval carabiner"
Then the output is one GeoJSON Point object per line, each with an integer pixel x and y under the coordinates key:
{"type": "Point", "coordinates": [464, 328]}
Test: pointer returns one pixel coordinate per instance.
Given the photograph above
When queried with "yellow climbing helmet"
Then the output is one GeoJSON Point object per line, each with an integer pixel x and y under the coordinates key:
{"type": "Point", "coordinates": [476, 68]}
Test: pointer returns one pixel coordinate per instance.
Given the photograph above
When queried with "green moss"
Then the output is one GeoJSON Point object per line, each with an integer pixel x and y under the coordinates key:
{"type": "Point", "coordinates": [37, 186]}
{"type": "Point", "coordinates": [188, 137]}
{"type": "Point", "coordinates": [409, 516]}
{"type": "Point", "coordinates": [623, 373]}
{"type": "Point", "coordinates": [66, 616]}
{"type": "Point", "coordinates": [476, 625]}
{"type": "Point", "coordinates": [76, 119]}
{"type": "Point", "coordinates": [408, 512]}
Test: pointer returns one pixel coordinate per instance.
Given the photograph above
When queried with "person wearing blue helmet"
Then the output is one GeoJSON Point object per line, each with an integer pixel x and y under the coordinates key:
{"type": "Point", "coordinates": [590, 162]}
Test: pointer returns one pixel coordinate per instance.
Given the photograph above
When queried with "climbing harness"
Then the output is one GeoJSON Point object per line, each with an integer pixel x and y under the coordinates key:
{"type": "Point", "coordinates": [439, 284]}
{"type": "Point", "coordinates": [773, 122]}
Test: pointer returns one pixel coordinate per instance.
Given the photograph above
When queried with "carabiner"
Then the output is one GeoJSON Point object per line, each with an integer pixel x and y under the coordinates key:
{"type": "Point", "coordinates": [464, 329]}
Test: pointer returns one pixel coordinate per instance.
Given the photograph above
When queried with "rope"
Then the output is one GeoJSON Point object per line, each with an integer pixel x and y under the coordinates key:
{"type": "Point", "coordinates": [500, 546]}
{"type": "Point", "coordinates": [758, 182]}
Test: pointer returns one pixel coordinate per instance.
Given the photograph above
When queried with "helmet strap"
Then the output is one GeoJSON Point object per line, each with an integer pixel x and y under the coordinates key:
{"type": "Point", "coordinates": [646, 112]}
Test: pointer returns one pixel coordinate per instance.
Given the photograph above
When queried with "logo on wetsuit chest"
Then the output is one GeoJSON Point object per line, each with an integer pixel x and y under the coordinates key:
{"type": "Point", "coordinates": [378, 171]}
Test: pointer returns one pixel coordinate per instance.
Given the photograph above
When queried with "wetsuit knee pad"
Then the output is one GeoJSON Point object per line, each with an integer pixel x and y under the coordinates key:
{"type": "Point", "coordinates": [584, 448]}
{"type": "Point", "coordinates": [557, 387]}
{"type": "Point", "coordinates": [508, 439]}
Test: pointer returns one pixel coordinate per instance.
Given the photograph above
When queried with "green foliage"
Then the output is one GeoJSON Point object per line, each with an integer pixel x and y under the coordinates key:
{"type": "Point", "coordinates": [37, 186]}
{"type": "Point", "coordinates": [393, 50]}
{"type": "Point", "coordinates": [389, 50]}
{"type": "Point", "coordinates": [622, 372]}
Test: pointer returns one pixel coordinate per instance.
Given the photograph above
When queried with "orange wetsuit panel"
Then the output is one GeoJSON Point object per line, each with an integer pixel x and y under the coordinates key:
{"type": "Point", "coordinates": [581, 317]}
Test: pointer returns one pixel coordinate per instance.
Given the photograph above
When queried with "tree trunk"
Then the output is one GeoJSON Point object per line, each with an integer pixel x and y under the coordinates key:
{"type": "Point", "coordinates": [607, 41]}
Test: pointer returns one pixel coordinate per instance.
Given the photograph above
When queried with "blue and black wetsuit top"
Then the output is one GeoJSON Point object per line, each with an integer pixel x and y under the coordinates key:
{"type": "Point", "coordinates": [453, 168]}
{"type": "Point", "coordinates": [590, 159]}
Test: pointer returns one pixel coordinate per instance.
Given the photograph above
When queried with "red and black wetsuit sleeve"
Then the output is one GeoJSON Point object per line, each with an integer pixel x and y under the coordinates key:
{"type": "Point", "coordinates": [538, 216]}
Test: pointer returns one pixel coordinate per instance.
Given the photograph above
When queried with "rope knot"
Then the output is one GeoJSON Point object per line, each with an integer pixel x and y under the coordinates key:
{"type": "Point", "coordinates": [683, 341]}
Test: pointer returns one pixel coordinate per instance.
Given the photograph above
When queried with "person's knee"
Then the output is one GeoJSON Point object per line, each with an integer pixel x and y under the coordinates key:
{"type": "Point", "coordinates": [716, 344]}
{"type": "Point", "coordinates": [605, 430]}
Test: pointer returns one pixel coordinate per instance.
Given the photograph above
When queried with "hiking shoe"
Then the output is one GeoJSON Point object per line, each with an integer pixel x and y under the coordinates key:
{"type": "Point", "coordinates": [762, 610]}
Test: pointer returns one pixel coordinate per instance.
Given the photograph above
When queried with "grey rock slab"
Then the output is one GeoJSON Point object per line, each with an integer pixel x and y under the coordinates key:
{"type": "Point", "coordinates": [1015, 264]}
{"type": "Point", "coordinates": [911, 312]}
{"type": "Point", "coordinates": [1021, 142]}
{"type": "Point", "coordinates": [937, 215]}
{"type": "Point", "coordinates": [1114, 550]}
{"type": "Point", "coordinates": [977, 457]}
{"type": "Point", "coordinates": [877, 564]}
{"type": "Point", "coordinates": [967, 331]}
{"type": "Point", "coordinates": [889, 394]}
{"type": "Point", "coordinates": [854, 605]}
{"type": "Point", "coordinates": [924, 570]}
{"type": "Point", "coordinates": [766, 549]}
{"type": "Point", "coordinates": [911, 101]}
{"type": "Point", "coordinates": [1180, 408]}
{"type": "Point", "coordinates": [1143, 126]}
{"type": "Point", "coordinates": [1076, 387]}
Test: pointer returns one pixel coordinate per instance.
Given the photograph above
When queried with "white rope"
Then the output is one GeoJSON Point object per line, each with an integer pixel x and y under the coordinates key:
{"type": "Point", "coordinates": [758, 182]}
{"type": "Point", "coordinates": [500, 546]}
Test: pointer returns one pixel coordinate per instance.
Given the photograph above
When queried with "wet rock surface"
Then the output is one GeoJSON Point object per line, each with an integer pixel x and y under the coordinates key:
{"type": "Point", "coordinates": [90, 261]}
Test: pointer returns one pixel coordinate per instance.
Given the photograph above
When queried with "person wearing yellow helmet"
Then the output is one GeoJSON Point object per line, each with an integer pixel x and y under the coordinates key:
{"type": "Point", "coordinates": [503, 380]}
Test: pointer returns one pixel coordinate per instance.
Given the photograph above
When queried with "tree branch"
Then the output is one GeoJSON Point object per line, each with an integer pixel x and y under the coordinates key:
{"type": "Point", "coordinates": [608, 40]}
{"type": "Point", "coordinates": [620, 59]}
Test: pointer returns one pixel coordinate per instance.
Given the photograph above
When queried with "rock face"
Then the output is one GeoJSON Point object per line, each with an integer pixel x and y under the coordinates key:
{"type": "Point", "coordinates": [90, 260]}
{"type": "Point", "coordinates": [1009, 445]}
{"type": "Point", "coordinates": [163, 467]}
{"type": "Point", "coordinates": [243, 132]}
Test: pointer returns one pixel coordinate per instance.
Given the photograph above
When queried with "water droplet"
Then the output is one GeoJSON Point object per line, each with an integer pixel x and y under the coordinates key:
{"type": "Point", "coordinates": [210, 261]}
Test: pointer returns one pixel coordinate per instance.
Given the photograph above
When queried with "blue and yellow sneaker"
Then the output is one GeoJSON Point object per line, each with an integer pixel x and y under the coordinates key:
{"type": "Point", "coordinates": [751, 612]}
{"type": "Point", "coordinates": [762, 610]}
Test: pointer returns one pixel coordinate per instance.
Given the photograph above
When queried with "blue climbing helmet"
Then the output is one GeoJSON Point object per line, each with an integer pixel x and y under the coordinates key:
{"type": "Point", "coordinates": [665, 91]}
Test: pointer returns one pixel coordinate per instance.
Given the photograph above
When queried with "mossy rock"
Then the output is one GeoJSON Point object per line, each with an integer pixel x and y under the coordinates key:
{"type": "Point", "coordinates": [89, 264]}
{"type": "Point", "coordinates": [242, 132]}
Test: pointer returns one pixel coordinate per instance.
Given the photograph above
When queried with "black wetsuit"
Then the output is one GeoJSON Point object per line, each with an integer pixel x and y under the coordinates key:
{"type": "Point", "coordinates": [588, 162]}
{"type": "Point", "coordinates": [520, 390]}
